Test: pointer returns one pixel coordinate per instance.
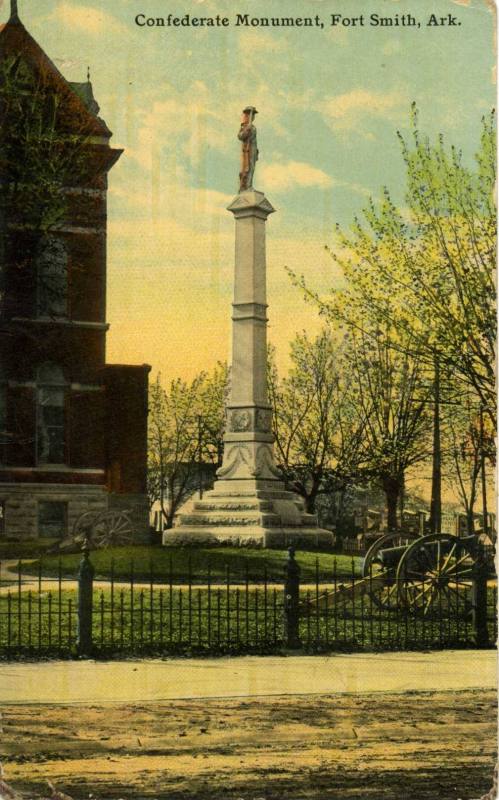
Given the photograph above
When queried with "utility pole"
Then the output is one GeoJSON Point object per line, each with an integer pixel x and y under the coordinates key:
{"type": "Point", "coordinates": [436, 476]}
{"type": "Point", "coordinates": [483, 474]}
{"type": "Point", "coordinates": [200, 454]}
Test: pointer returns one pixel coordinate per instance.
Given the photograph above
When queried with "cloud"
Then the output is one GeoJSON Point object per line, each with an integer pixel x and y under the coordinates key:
{"type": "Point", "coordinates": [291, 174]}
{"type": "Point", "coordinates": [184, 125]}
{"type": "Point", "coordinates": [86, 18]}
{"type": "Point", "coordinates": [344, 111]}
{"type": "Point", "coordinates": [175, 202]}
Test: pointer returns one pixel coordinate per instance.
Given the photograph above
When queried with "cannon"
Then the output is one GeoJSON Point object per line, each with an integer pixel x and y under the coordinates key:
{"type": "Point", "coordinates": [417, 574]}
{"type": "Point", "coordinates": [99, 529]}
{"type": "Point", "coordinates": [420, 573]}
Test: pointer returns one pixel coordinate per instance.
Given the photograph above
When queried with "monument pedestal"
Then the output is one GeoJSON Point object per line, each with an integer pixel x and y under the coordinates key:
{"type": "Point", "coordinates": [258, 517]}
{"type": "Point", "coordinates": [249, 504]}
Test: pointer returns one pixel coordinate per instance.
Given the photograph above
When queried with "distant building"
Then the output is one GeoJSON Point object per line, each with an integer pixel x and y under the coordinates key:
{"type": "Point", "coordinates": [73, 429]}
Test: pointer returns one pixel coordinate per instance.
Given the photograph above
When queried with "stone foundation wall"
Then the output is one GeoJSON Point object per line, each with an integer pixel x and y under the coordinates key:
{"type": "Point", "coordinates": [21, 505]}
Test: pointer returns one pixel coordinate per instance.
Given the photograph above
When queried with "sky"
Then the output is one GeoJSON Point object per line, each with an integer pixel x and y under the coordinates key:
{"type": "Point", "coordinates": [330, 102]}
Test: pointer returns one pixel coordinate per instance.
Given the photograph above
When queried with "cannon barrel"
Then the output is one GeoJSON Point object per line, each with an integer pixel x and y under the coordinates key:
{"type": "Point", "coordinates": [390, 556]}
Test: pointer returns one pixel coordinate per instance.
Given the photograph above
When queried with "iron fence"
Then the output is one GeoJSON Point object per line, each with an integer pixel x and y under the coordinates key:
{"type": "Point", "coordinates": [64, 616]}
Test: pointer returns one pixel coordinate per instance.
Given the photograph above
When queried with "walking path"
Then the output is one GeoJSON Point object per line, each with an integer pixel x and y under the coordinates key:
{"type": "Point", "coordinates": [9, 578]}
{"type": "Point", "coordinates": [249, 676]}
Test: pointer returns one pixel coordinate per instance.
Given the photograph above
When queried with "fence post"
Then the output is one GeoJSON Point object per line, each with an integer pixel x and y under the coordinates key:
{"type": "Point", "coordinates": [85, 598]}
{"type": "Point", "coordinates": [479, 601]}
{"type": "Point", "coordinates": [291, 602]}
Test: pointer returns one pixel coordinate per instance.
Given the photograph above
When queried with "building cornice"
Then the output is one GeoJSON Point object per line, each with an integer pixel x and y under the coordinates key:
{"type": "Point", "coordinates": [69, 323]}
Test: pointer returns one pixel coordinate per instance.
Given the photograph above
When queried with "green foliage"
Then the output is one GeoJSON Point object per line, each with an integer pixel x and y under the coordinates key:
{"type": "Point", "coordinates": [188, 620]}
{"type": "Point", "coordinates": [427, 270]}
{"type": "Point", "coordinates": [468, 434]}
{"type": "Point", "coordinates": [186, 423]}
{"type": "Point", "coordinates": [391, 401]}
{"type": "Point", "coordinates": [318, 434]}
{"type": "Point", "coordinates": [419, 288]}
{"type": "Point", "coordinates": [24, 549]}
{"type": "Point", "coordinates": [39, 157]}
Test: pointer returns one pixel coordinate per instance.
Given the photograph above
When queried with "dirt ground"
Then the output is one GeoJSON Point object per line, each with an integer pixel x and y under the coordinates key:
{"type": "Point", "coordinates": [416, 745]}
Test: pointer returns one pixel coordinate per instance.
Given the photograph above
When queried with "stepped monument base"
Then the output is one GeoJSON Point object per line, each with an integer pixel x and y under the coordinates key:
{"type": "Point", "coordinates": [260, 515]}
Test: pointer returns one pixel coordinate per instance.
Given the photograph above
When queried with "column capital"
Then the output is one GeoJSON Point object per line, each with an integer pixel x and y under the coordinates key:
{"type": "Point", "coordinates": [251, 204]}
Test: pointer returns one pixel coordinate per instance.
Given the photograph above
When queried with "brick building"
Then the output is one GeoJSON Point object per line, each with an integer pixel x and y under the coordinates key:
{"type": "Point", "coordinates": [73, 429]}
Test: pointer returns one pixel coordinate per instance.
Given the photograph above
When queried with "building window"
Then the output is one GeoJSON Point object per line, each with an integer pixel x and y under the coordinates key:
{"type": "Point", "coordinates": [51, 413]}
{"type": "Point", "coordinates": [3, 413]}
{"type": "Point", "coordinates": [52, 278]}
{"type": "Point", "coordinates": [52, 518]}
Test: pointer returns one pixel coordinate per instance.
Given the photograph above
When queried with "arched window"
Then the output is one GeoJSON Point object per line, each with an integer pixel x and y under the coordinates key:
{"type": "Point", "coordinates": [52, 278]}
{"type": "Point", "coordinates": [51, 401]}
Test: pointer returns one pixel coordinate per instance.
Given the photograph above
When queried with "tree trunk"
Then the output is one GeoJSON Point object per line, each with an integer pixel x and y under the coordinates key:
{"type": "Point", "coordinates": [436, 476]}
{"type": "Point", "coordinates": [169, 518]}
{"type": "Point", "coordinates": [310, 500]}
{"type": "Point", "coordinates": [470, 521]}
{"type": "Point", "coordinates": [171, 506]}
{"type": "Point", "coordinates": [392, 487]}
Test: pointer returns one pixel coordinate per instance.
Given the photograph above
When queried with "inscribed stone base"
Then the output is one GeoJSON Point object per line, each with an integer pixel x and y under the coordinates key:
{"type": "Point", "coordinates": [251, 514]}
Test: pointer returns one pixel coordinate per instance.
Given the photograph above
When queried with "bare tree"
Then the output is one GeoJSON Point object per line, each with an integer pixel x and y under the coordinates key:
{"type": "Point", "coordinates": [391, 402]}
{"type": "Point", "coordinates": [463, 451]}
{"type": "Point", "coordinates": [318, 438]}
{"type": "Point", "coordinates": [186, 423]}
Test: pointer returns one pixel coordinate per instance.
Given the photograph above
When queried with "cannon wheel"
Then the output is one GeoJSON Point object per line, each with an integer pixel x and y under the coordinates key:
{"type": "Point", "coordinates": [386, 597]}
{"type": "Point", "coordinates": [83, 525]}
{"type": "Point", "coordinates": [112, 528]}
{"type": "Point", "coordinates": [432, 574]}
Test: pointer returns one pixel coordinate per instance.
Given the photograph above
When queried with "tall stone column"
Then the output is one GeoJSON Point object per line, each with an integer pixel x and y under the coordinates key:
{"type": "Point", "coordinates": [248, 461]}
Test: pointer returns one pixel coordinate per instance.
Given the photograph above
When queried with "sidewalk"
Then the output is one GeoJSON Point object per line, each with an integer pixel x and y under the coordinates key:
{"type": "Point", "coordinates": [250, 676]}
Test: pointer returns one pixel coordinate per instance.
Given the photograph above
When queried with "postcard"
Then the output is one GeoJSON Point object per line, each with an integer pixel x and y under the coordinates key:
{"type": "Point", "coordinates": [248, 400]}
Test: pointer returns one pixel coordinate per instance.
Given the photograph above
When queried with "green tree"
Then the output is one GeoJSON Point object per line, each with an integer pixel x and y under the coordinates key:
{"type": "Point", "coordinates": [428, 269]}
{"type": "Point", "coordinates": [186, 422]}
{"type": "Point", "coordinates": [43, 152]}
{"type": "Point", "coordinates": [318, 438]}
{"type": "Point", "coordinates": [390, 397]}
{"type": "Point", "coordinates": [465, 441]}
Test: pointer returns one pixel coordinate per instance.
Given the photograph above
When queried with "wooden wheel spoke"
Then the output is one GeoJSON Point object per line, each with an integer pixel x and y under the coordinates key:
{"type": "Point", "coordinates": [449, 556]}
{"type": "Point", "coordinates": [423, 590]}
{"type": "Point", "coordinates": [462, 559]}
{"type": "Point", "coordinates": [415, 595]}
{"type": "Point", "coordinates": [413, 575]}
{"type": "Point", "coordinates": [450, 593]}
{"type": "Point", "coordinates": [429, 600]}
{"type": "Point", "coordinates": [455, 572]}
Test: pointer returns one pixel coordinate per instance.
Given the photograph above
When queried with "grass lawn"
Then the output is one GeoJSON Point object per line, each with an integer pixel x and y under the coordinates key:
{"type": "Point", "coordinates": [182, 620]}
{"type": "Point", "coordinates": [31, 548]}
{"type": "Point", "coordinates": [177, 563]}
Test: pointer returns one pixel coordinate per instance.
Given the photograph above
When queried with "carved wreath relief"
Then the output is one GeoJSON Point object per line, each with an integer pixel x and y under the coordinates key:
{"type": "Point", "coordinates": [263, 420]}
{"type": "Point", "coordinates": [240, 421]}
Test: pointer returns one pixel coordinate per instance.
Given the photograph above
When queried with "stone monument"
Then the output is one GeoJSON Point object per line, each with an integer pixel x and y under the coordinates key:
{"type": "Point", "coordinates": [249, 504]}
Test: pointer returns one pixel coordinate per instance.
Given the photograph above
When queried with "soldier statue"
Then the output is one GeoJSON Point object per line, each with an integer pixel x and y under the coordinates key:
{"type": "Point", "coordinates": [249, 151]}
